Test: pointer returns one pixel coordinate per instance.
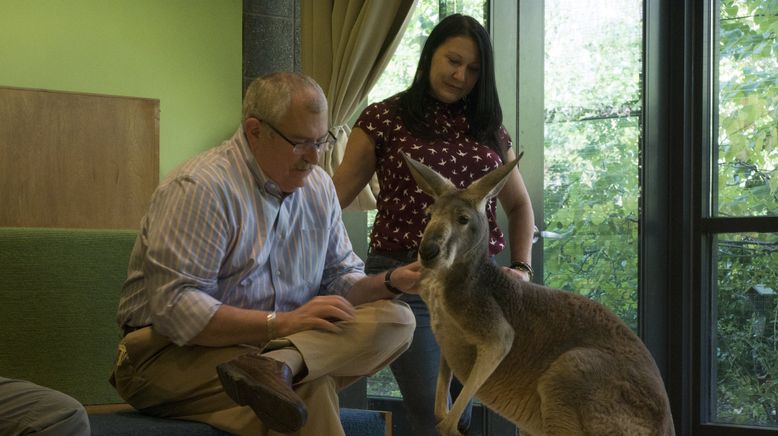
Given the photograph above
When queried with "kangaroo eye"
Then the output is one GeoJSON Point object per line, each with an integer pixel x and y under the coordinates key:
{"type": "Point", "coordinates": [463, 219]}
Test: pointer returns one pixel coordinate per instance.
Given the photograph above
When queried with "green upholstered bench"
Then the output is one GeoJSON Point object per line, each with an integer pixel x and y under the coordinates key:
{"type": "Point", "coordinates": [59, 289]}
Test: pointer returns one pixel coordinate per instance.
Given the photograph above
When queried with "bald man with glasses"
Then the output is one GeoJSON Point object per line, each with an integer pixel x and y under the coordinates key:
{"type": "Point", "coordinates": [245, 306]}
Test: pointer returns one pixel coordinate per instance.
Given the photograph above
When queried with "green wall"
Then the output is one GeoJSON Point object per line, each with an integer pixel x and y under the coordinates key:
{"type": "Point", "coordinates": [186, 53]}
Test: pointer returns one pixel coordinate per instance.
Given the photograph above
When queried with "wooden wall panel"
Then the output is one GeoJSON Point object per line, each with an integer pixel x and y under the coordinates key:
{"type": "Point", "coordinates": [76, 160]}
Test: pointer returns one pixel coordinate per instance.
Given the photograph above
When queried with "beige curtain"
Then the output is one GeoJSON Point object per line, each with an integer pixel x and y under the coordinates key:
{"type": "Point", "coordinates": [345, 45]}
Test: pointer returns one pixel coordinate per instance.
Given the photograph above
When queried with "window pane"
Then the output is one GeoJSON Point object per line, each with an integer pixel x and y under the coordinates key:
{"type": "Point", "coordinates": [748, 108]}
{"type": "Point", "coordinates": [745, 360]}
{"type": "Point", "coordinates": [592, 135]}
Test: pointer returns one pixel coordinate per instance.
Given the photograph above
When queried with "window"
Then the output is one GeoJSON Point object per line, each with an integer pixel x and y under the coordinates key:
{"type": "Point", "coordinates": [593, 98]}
{"type": "Point", "coordinates": [741, 215]}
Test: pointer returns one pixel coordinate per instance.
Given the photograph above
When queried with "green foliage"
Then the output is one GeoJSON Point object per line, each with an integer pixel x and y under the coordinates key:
{"type": "Point", "coordinates": [746, 331]}
{"type": "Point", "coordinates": [382, 384]}
{"type": "Point", "coordinates": [592, 139]}
{"type": "Point", "coordinates": [748, 108]}
{"type": "Point", "coordinates": [591, 199]}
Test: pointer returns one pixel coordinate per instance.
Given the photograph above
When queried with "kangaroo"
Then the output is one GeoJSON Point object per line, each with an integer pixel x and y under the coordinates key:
{"type": "Point", "coordinates": [552, 362]}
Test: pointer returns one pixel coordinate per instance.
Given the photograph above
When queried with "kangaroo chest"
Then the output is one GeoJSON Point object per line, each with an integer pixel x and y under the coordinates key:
{"type": "Point", "coordinates": [456, 344]}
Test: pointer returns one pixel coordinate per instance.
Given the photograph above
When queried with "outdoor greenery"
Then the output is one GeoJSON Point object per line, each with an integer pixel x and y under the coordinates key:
{"type": "Point", "coordinates": [593, 101]}
{"type": "Point", "coordinates": [592, 142]}
{"type": "Point", "coordinates": [748, 108]}
{"type": "Point", "coordinates": [746, 325]}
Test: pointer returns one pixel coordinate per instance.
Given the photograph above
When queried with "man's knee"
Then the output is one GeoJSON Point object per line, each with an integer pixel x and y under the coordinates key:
{"type": "Point", "coordinates": [393, 317]}
{"type": "Point", "coordinates": [391, 322]}
{"type": "Point", "coordinates": [389, 312]}
{"type": "Point", "coordinates": [46, 411]}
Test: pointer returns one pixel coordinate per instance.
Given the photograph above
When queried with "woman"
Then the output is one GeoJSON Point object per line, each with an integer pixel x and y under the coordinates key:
{"type": "Point", "coordinates": [450, 119]}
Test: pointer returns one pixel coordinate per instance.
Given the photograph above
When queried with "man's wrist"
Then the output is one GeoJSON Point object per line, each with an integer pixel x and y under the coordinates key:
{"type": "Point", "coordinates": [271, 325]}
{"type": "Point", "coordinates": [388, 283]}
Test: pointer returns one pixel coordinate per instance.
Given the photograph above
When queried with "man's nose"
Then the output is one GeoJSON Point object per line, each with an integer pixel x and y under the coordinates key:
{"type": "Point", "coordinates": [312, 153]}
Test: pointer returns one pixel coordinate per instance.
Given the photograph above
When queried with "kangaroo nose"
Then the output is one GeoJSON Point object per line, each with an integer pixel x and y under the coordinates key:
{"type": "Point", "coordinates": [428, 251]}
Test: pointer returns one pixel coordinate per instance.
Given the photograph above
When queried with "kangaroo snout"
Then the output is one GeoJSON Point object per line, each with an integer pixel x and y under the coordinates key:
{"type": "Point", "coordinates": [428, 251]}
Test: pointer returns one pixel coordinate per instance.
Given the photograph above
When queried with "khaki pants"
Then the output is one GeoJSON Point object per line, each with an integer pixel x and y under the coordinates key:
{"type": "Point", "coordinates": [162, 379]}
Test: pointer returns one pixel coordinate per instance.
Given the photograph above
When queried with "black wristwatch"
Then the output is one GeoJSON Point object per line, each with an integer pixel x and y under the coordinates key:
{"type": "Point", "coordinates": [388, 283]}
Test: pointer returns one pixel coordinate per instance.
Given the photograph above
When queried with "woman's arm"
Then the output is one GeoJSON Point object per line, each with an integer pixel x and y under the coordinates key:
{"type": "Point", "coordinates": [357, 167]}
{"type": "Point", "coordinates": [521, 219]}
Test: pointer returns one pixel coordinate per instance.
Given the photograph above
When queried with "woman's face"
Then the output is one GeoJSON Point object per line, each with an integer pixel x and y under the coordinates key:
{"type": "Point", "coordinates": [455, 67]}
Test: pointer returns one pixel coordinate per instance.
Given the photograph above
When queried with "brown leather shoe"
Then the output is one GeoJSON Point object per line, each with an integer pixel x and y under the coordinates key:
{"type": "Point", "coordinates": [265, 385]}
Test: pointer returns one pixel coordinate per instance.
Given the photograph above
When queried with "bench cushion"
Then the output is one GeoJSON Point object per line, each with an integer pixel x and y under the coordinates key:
{"type": "Point", "coordinates": [133, 423]}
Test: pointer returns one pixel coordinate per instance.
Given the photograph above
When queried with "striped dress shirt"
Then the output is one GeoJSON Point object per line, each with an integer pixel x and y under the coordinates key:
{"type": "Point", "coordinates": [218, 231]}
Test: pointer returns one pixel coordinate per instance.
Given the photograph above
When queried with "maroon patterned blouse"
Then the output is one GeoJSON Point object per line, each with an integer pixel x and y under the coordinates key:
{"type": "Point", "coordinates": [401, 217]}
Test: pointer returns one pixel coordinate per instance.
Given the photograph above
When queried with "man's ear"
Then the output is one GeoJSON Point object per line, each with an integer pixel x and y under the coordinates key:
{"type": "Point", "coordinates": [252, 127]}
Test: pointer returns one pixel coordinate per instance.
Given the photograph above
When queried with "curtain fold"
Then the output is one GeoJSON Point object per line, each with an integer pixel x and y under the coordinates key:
{"type": "Point", "coordinates": [345, 45]}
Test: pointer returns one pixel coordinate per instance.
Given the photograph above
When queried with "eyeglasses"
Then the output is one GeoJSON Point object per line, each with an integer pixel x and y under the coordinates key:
{"type": "Point", "coordinates": [302, 147]}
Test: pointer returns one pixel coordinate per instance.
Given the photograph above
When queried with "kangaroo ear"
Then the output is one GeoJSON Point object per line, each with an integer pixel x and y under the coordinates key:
{"type": "Point", "coordinates": [428, 180]}
{"type": "Point", "coordinates": [480, 191]}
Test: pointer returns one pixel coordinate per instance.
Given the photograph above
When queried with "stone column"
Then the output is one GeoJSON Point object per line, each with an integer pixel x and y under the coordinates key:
{"type": "Point", "coordinates": [271, 37]}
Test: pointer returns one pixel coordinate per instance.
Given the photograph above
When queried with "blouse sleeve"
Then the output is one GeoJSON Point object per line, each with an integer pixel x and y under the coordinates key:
{"type": "Point", "coordinates": [377, 121]}
{"type": "Point", "coordinates": [504, 138]}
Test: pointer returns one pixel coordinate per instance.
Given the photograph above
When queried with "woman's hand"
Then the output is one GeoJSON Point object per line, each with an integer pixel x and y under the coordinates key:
{"type": "Point", "coordinates": [519, 274]}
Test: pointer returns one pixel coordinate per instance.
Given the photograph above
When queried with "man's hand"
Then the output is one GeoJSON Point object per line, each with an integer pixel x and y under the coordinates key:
{"type": "Point", "coordinates": [406, 277]}
{"type": "Point", "coordinates": [321, 313]}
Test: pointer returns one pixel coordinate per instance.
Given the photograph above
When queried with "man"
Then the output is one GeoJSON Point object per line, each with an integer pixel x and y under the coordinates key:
{"type": "Point", "coordinates": [243, 263]}
{"type": "Point", "coordinates": [27, 408]}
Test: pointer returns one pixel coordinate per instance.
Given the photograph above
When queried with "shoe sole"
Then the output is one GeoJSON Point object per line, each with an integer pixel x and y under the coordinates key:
{"type": "Point", "coordinates": [241, 388]}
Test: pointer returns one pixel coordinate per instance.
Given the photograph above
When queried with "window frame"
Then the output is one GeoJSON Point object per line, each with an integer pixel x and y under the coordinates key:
{"type": "Point", "coordinates": [677, 280]}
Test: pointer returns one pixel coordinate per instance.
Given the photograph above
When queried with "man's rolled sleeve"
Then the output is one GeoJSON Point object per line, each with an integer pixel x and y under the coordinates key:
{"type": "Point", "coordinates": [186, 317]}
{"type": "Point", "coordinates": [186, 244]}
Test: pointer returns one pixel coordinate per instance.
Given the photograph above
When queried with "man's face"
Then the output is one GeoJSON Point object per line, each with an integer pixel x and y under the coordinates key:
{"type": "Point", "coordinates": [277, 156]}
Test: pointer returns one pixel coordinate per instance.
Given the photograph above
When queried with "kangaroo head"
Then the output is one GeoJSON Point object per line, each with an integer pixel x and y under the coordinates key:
{"type": "Point", "coordinates": [457, 229]}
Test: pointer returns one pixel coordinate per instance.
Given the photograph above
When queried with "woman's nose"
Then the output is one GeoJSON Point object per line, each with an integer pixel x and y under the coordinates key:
{"type": "Point", "coordinates": [460, 74]}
